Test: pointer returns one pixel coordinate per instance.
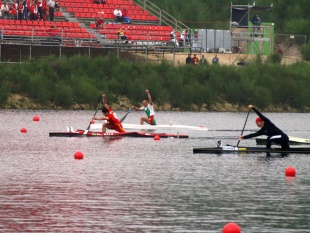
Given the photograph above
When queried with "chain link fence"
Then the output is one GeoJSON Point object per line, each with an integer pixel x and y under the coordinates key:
{"type": "Point", "coordinates": [289, 45]}
{"type": "Point", "coordinates": [19, 52]}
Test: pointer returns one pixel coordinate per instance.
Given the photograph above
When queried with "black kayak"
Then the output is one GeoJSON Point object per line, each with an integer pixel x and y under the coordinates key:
{"type": "Point", "coordinates": [242, 149]}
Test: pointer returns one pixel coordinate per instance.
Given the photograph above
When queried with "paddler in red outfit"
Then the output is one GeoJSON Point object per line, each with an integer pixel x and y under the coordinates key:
{"type": "Point", "coordinates": [113, 122]}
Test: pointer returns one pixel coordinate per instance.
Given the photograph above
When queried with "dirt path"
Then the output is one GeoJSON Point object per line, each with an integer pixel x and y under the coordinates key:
{"type": "Point", "coordinates": [226, 59]}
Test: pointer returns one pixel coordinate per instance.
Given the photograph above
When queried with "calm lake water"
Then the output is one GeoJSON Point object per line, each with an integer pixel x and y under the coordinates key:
{"type": "Point", "coordinates": [143, 185]}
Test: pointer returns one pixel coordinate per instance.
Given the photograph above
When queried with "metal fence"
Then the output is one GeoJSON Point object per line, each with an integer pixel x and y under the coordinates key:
{"type": "Point", "coordinates": [23, 50]}
{"type": "Point", "coordinates": [289, 45]}
{"type": "Point", "coordinates": [18, 52]}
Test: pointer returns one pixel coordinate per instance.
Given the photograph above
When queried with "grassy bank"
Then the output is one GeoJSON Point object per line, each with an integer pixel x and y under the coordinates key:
{"type": "Point", "coordinates": [82, 80]}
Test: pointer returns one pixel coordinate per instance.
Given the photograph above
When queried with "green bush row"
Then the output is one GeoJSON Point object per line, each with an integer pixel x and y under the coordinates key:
{"type": "Point", "coordinates": [83, 80]}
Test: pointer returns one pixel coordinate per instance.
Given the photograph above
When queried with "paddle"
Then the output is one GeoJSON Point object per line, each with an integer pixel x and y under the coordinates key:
{"type": "Point", "coordinates": [124, 117]}
{"type": "Point", "coordinates": [244, 125]}
{"type": "Point", "coordinates": [94, 115]}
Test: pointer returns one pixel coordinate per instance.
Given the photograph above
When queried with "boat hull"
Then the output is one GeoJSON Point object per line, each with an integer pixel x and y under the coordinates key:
{"type": "Point", "coordinates": [235, 149]}
{"type": "Point", "coordinates": [97, 126]}
{"type": "Point", "coordinates": [83, 133]}
{"type": "Point", "coordinates": [292, 141]}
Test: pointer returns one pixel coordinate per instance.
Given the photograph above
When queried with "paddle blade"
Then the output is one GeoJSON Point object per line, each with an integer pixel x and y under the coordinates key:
{"type": "Point", "coordinates": [88, 127]}
{"type": "Point", "coordinates": [124, 117]}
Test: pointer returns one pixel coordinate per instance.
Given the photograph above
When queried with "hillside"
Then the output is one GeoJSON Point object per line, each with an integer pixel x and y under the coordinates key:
{"type": "Point", "coordinates": [289, 17]}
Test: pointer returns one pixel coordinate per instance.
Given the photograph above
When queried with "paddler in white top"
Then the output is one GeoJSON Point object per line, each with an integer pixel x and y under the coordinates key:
{"type": "Point", "coordinates": [149, 110]}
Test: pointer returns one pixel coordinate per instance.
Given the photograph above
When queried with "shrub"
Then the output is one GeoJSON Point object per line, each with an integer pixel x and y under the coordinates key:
{"type": "Point", "coordinates": [74, 79]}
{"type": "Point", "coordinates": [305, 52]}
{"type": "Point", "coordinates": [63, 95]}
{"type": "Point", "coordinates": [39, 88]}
{"type": "Point", "coordinates": [275, 58]}
{"type": "Point", "coordinates": [5, 90]}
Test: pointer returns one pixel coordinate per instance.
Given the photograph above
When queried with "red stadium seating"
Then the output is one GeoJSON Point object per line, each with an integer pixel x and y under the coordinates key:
{"type": "Point", "coordinates": [88, 10]}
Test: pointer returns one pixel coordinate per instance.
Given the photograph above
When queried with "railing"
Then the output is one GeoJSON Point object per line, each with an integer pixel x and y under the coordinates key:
{"type": "Point", "coordinates": [164, 17]}
{"type": "Point", "coordinates": [150, 50]}
{"type": "Point", "coordinates": [34, 37]}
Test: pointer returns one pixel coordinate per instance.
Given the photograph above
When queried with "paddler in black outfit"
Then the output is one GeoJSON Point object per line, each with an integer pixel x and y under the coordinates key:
{"type": "Point", "coordinates": [274, 134]}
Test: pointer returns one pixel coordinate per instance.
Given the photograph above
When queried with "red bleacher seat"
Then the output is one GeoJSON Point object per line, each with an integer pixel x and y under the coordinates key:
{"type": "Point", "coordinates": [89, 10]}
{"type": "Point", "coordinates": [144, 12]}
{"type": "Point", "coordinates": [153, 17]}
{"type": "Point", "coordinates": [89, 15]}
{"type": "Point", "coordinates": [58, 13]}
{"type": "Point", "coordinates": [112, 37]}
{"type": "Point", "coordinates": [137, 17]}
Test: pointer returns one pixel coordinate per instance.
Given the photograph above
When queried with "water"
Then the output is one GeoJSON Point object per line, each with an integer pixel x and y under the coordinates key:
{"type": "Point", "coordinates": [143, 185]}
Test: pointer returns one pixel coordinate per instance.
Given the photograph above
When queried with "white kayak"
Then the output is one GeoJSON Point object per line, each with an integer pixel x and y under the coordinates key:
{"type": "Point", "coordinates": [292, 141]}
{"type": "Point", "coordinates": [299, 140]}
{"type": "Point", "coordinates": [97, 126]}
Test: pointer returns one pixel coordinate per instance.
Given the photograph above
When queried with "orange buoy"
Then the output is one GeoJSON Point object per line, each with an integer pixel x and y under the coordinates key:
{"type": "Point", "coordinates": [78, 155]}
{"type": "Point", "coordinates": [231, 228]}
{"type": "Point", "coordinates": [156, 137]}
{"type": "Point", "coordinates": [36, 118]}
{"type": "Point", "coordinates": [290, 171]}
{"type": "Point", "coordinates": [23, 130]}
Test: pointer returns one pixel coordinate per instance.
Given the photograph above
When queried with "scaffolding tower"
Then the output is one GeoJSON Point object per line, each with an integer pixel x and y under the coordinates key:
{"type": "Point", "coordinates": [245, 38]}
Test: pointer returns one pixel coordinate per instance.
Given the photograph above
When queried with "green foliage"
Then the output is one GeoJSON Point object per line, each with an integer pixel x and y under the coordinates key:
{"type": "Point", "coordinates": [262, 97]}
{"type": "Point", "coordinates": [305, 52]}
{"type": "Point", "coordinates": [63, 94]}
{"type": "Point", "coordinates": [275, 58]}
{"type": "Point", "coordinates": [259, 83]}
{"type": "Point", "coordinates": [5, 90]}
{"type": "Point", "coordinates": [298, 26]}
{"type": "Point", "coordinates": [39, 88]}
{"type": "Point", "coordinates": [288, 16]}
{"type": "Point", "coordinates": [85, 92]}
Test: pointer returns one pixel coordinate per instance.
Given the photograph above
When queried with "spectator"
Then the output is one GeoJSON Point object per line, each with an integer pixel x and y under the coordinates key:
{"type": "Point", "coordinates": [173, 37]}
{"type": "Point", "coordinates": [100, 1]}
{"type": "Point", "coordinates": [14, 10]}
{"type": "Point", "coordinates": [125, 15]}
{"type": "Point", "coordinates": [215, 60]}
{"type": "Point", "coordinates": [5, 11]}
{"type": "Point", "coordinates": [78, 42]}
{"type": "Point", "coordinates": [118, 15]}
{"type": "Point", "coordinates": [189, 37]}
{"type": "Point", "coordinates": [203, 61]}
{"type": "Point", "coordinates": [34, 11]}
{"type": "Point", "coordinates": [20, 10]}
{"type": "Point", "coordinates": [183, 38]}
{"type": "Point", "coordinates": [122, 36]}
{"type": "Point", "coordinates": [100, 23]}
{"type": "Point", "coordinates": [256, 22]}
{"type": "Point", "coordinates": [51, 8]}
{"type": "Point", "coordinates": [195, 60]}
{"type": "Point", "coordinates": [57, 6]}
{"type": "Point", "coordinates": [40, 13]}
{"type": "Point", "coordinates": [44, 9]}
{"type": "Point", "coordinates": [40, 9]}
{"type": "Point", "coordinates": [53, 33]}
{"type": "Point", "coordinates": [25, 10]}
{"type": "Point", "coordinates": [188, 59]}
{"type": "Point", "coordinates": [28, 4]}
{"type": "Point", "coordinates": [130, 38]}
